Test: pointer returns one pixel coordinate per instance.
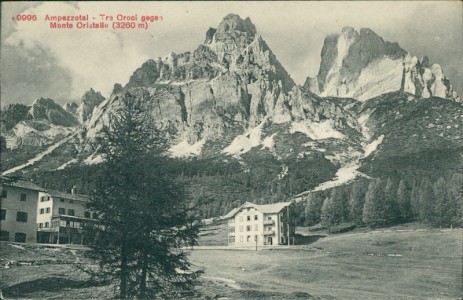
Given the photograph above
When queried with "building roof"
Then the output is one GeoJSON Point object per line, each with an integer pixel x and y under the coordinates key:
{"type": "Point", "coordinates": [19, 183]}
{"type": "Point", "coordinates": [264, 208]}
{"type": "Point", "coordinates": [76, 197]}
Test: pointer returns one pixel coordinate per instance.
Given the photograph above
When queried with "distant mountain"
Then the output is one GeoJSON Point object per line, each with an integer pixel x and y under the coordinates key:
{"type": "Point", "coordinates": [362, 65]}
{"type": "Point", "coordinates": [88, 102]}
{"type": "Point", "coordinates": [238, 128]}
{"type": "Point", "coordinates": [45, 122]}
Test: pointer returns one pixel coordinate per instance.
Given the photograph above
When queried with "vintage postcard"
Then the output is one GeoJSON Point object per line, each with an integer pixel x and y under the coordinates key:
{"type": "Point", "coordinates": [231, 150]}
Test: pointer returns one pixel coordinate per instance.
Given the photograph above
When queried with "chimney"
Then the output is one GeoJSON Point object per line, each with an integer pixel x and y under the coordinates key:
{"type": "Point", "coordinates": [73, 190]}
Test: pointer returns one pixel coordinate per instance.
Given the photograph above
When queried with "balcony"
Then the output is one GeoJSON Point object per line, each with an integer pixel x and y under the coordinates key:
{"type": "Point", "coordinates": [271, 232]}
{"type": "Point", "coordinates": [269, 222]}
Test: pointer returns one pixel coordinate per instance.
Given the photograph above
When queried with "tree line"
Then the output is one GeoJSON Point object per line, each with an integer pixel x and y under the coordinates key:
{"type": "Point", "coordinates": [386, 201]}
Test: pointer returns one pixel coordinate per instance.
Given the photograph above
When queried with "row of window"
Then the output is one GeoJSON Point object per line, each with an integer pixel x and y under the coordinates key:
{"type": "Point", "coordinates": [248, 218]}
{"type": "Point", "coordinates": [44, 210]}
{"type": "Point", "coordinates": [249, 238]}
{"type": "Point", "coordinates": [19, 237]}
{"type": "Point", "coordinates": [20, 215]}
{"type": "Point", "coordinates": [23, 196]}
{"type": "Point", "coordinates": [44, 225]}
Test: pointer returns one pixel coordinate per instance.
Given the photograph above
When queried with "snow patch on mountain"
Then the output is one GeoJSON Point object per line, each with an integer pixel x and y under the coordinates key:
{"type": "Point", "coordinates": [67, 164]}
{"type": "Point", "coordinates": [268, 142]}
{"type": "Point", "coordinates": [362, 120]}
{"type": "Point", "coordinates": [39, 156]}
{"type": "Point", "coordinates": [371, 147]}
{"type": "Point", "coordinates": [184, 149]}
{"type": "Point", "coordinates": [245, 142]}
{"type": "Point", "coordinates": [316, 130]}
{"type": "Point", "coordinates": [344, 175]}
{"type": "Point", "coordinates": [93, 159]}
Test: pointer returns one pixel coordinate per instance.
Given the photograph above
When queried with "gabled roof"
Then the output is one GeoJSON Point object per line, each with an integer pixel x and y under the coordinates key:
{"type": "Point", "coordinates": [19, 183]}
{"type": "Point", "coordinates": [58, 194]}
{"type": "Point", "coordinates": [264, 208]}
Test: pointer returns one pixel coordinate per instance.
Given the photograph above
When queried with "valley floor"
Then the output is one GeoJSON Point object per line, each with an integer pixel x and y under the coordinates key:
{"type": "Point", "coordinates": [398, 263]}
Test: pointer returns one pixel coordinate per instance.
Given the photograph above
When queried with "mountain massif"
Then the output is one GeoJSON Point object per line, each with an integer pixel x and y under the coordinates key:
{"type": "Point", "coordinates": [239, 128]}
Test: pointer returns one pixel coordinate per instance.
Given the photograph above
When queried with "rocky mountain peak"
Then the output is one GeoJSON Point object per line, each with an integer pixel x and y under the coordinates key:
{"type": "Point", "coordinates": [89, 101]}
{"type": "Point", "coordinates": [71, 107]}
{"type": "Point", "coordinates": [362, 65]}
{"type": "Point", "coordinates": [45, 109]}
{"type": "Point", "coordinates": [233, 23]}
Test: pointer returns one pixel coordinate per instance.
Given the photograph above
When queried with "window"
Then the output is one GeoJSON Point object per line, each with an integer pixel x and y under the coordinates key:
{"type": "Point", "coordinates": [20, 237]}
{"type": "Point", "coordinates": [42, 198]}
{"type": "Point", "coordinates": [95, 215]}
{"type": "Point", "coordinates": [40, 225]}
{"type": "Point", "coordinates": [249, 218]}
{"type": "Point", "coordinates": [61, 211]}
{"type": "Point", "coordinates": [48, 210]}
{"type": "Point", "coordinates": [231, 229]}
{"type": "Point", "coordinates": [249, 208]}
{"type": "Point", "coordinates": [62, 223]}
{"type": "Point", "coordinates": [256, 227]}
{"type": "Point", "coordinates": [42, 210]}
{"type": "Point", "coordinates": [3, 214]}
{"type": "Point", "coordinates": [70, 212]}
{"type": "Point", "coordinates": [4, 236]}
{"type": "Point", "coordinates": [241, 228]}
{"type": "Point", "coordinates": [47, 224]}
{"type": "Point", "coordinates": [4, 193]}
{"type": "Point", "coordinates": [256, 217]}
{"type": "Point", "coordinates": [231, 239]}
{"type": "Point", "coordinates": [241, 238]}
{"type": "Point", "coordinates": [269, 229]}
{"type": "Point", "coordinates": [87, 214]}
{"type": "Point", "coordinates": [70, 201]}
{"type": "Point", "coordinates": [21, 216]}
{"type": "Point", "coordinates": [248, 239]}
{"type": "Point", "coordinates": [61, 200]}
{"type": "Point", "coordinates": [269, 218]}
{"type": "Point", "coordinates": [23, 197]}
{"type": "Point", "coordinates": [248, 228]}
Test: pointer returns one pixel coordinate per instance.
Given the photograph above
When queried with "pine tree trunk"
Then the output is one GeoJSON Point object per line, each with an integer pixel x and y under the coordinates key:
{"type": "Point", "coordinates": [143, 276]}
{"type": "Point", "coordinates": [124, 271]}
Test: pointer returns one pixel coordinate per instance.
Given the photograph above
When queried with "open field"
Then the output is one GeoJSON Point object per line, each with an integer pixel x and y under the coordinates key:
{"type": "Point", "coordinates": [389, 264]}
{"type": "Point", "coordinates": [399, 263]}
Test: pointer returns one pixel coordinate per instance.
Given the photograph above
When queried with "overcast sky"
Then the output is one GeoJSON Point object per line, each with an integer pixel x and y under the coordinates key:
{"type": "Point", "coordinates": [37, 61]}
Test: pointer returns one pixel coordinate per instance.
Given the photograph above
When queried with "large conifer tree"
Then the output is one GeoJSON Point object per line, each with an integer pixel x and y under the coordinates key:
{"type": "Point", "coordinates": [146, 220]}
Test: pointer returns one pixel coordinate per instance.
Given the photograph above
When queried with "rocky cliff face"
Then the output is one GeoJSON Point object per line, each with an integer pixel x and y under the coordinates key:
{"type": "Point", "coordinates": [362, 65]}
{"type": "Point", "coordinates": [89, 101]}
{"type": "Point", "coordinates": [232, 80]}
{"type": "Point", "coordinates": [47, 110]}
{"type": "Point", "coordinates": [45, 123]}
{"type": "Point", "coordinates": [71, 107]}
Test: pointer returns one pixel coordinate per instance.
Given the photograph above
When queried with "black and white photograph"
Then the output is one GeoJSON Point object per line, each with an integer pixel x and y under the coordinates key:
{"type": "Point", "coordinates": [231, 150]}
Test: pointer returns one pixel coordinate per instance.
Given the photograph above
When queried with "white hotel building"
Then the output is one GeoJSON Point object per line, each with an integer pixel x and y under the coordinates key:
{"type": "Point", "coordinates": [268, 224]}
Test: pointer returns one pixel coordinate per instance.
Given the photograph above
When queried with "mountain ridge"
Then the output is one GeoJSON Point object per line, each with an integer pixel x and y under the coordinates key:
{"type": "Point", "coordinates": [229, 108]}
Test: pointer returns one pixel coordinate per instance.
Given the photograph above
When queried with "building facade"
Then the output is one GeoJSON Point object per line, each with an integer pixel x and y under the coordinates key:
{"type": "Point", "coordinates": [62, 218]}
{"type": "Point", "coordinates": [269, 224]}
{"type": "Point", "coordinates": [18, 220]}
